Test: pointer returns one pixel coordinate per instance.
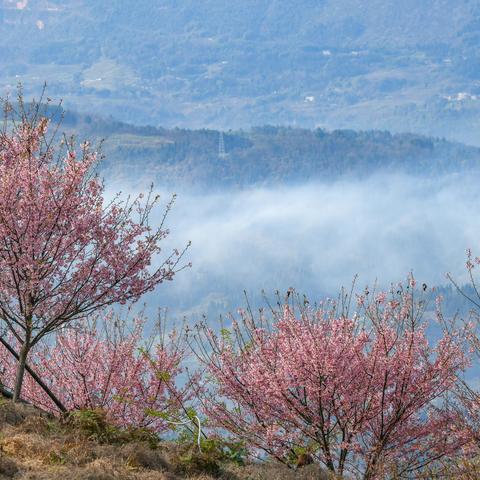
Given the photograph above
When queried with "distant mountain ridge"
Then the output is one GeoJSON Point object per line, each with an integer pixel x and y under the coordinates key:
{"type": "Point", "coordinates": [267, 155]}
{"type": "Point", "coordinates": [381, 64]}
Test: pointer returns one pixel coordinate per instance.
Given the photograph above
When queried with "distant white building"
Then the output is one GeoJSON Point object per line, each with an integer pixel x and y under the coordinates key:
{"type": "Point", "coordinates": [461, 97]}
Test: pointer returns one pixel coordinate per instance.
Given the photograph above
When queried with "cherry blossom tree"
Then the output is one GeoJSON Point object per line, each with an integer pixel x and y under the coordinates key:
{"type": "Point", "coordinates": [359, 393]}
{"type": "Point", "coordinates": [107, 363]}
{"type": "Point", "coordinates": [467, 392]}
{"type": "Point", "coordinates": [65, 251]}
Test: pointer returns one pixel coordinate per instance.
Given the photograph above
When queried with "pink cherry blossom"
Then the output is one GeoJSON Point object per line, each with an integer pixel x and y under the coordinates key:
{"type": "Point", "coordinates": [105, 365]}
{"type": "Point", "coordinates": [65, 251]}
{"type": "Point", "coordinates": [359, 392]}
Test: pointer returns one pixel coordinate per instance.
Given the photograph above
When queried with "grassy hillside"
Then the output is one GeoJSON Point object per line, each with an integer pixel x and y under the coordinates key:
{"type": "Point", "coordinates": [35, 446]}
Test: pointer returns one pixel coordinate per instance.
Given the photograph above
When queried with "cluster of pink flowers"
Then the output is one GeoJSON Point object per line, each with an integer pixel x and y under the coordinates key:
{"type": "Point", "coordinates": [65, 251]}
{"type": "Point", "coordinates": [110, 368]}
{"type": "Point", "coordinates": [60, 240]}
{"type": "Point", "coordinates": [358, 392]}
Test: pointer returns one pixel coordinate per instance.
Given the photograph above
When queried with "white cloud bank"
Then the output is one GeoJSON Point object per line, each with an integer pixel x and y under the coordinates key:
{"type": "Point", "coordinates": [316, 237]}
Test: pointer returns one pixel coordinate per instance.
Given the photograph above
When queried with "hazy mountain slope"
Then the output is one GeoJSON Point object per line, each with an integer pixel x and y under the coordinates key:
{"type": "Point", "coordinates": [264, 155]}
{"type": "Point", "coordinates": [404, 66]}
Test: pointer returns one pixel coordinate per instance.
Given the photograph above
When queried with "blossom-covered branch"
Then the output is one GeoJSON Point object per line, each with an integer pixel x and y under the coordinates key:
{"type": "Point", "coordinates": [356, 392]}
{"type": "Point", "coordinates": [64, 251]}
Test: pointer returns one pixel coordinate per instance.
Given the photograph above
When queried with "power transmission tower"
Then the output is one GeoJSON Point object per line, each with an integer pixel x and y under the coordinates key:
{"type": "Point", "coordinates": [221, 146]}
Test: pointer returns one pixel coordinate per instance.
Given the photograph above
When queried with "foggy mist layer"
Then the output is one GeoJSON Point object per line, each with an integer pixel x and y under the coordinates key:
{"type": "Point", "coordinates": [316, 237]}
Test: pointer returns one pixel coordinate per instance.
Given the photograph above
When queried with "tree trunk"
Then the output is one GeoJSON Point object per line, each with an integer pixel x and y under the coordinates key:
{"type": "Point", "coordinates": [372, 466]}
{"type": "Point", "coordinates": [22, 360]}
{"type": "Point", "coordinates": [39, 381]}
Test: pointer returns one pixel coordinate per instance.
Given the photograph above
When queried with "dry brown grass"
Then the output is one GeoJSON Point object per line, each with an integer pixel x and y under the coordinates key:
{"type": "Point", "coordinates": [35, 446]}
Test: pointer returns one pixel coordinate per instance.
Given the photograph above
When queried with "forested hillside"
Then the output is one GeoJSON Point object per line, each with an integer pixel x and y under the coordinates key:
{"type": "Point", "coordinates": [265, 155]}
{"type": "Point", "coordinates": [401, 66]}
